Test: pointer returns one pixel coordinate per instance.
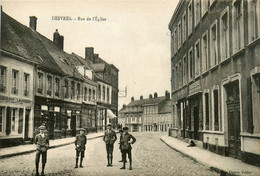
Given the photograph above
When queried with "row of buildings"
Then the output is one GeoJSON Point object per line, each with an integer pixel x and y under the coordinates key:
{"type": "Point", "coordinates": [215, 79]}
{"type": "Point", "coordinates": [150, 114]}
{"type": "Point", "coordinates": [42, 84]}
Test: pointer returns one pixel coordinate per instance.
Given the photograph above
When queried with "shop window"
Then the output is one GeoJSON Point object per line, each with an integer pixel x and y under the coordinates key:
{"type": "Point", "coordinates": [57, 87]}
{"type": "Point", "coordinates": [13, 120]}
{"type": "Point", "coordinates": [2, 79]}
{"type": "Point", "coordinates": [256, 102]}
{"type": "Point", "coordinates": [253, 19]}
{"type": "Point", "coordinates": [206, 100]}
{"type": "Point", "coordinates": [40, 83]}
{"type": "Point", "coordinates": [224, 35]}
{"type": "Point", "coordinates": [26, 84]}
{"type": "Point", "coordinates": [49, 85]}
{"type": "Point", "coordinates": [15, 79]}
{"type": "Point", "coordinates": [213, 45]}
{"type": "Point", "coordinates": [216, 110]}
{"type": "Point", "coordinates": [20, 122]}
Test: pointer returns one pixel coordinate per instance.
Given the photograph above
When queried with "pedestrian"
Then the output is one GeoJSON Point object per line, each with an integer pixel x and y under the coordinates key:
{"type": "Point", "coordinates": [80, 144]}
{"type": "Point", "coordinates": [42, 142]}
{"type": "Point", "coordinates": [126, 147]}
{"type": "Point", "coordinates": [109, 138]}
{"type": "Point", "coordinates": [120, 143]}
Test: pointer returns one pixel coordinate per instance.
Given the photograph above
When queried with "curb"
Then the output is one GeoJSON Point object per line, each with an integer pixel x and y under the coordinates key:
{"type": "Point", "coordinates": [51, 147]}
{"type": "Point", "coordinates": [215, 169]}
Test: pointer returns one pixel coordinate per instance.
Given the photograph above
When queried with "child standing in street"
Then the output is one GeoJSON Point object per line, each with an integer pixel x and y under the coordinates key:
{"type": "Point", "coordinates": [80, 144]}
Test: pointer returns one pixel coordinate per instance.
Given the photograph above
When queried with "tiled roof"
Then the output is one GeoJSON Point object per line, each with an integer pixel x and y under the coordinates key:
{"type": "Point", "coordinates": [21, 40]}
{"type": "Point", "coordinates": [166, 107]}
{"type": "Point", "coordinates": [148, 101]}
{"type": "Point", "coordinates": [81, 61]}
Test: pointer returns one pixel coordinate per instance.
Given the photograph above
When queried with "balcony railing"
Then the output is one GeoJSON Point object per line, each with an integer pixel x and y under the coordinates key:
{"type": "Point", "coordinates": [14, 90]}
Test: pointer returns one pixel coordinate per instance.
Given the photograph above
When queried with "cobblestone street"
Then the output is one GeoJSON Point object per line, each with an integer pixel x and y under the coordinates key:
{"type": "Point", "coordinates": [150, 157]}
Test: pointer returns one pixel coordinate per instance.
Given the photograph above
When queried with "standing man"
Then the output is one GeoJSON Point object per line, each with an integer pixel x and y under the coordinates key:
{"type": "Point", "coordinates": [109, 138]}
{"type": "Point", "coordinates": [42, 142]}
{"type": "Point", "coordinates": [120, 143]}
{"type": "Point", "coordinates": [80, 144]}
{"type": "Point", "coordinates": [126, 147]}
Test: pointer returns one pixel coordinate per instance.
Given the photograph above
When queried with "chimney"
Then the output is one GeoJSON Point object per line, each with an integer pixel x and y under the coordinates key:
{"type": "Point", "coordinates": [33, 22]}
{"type": "Point", "coordinates": [141, 97]}
{"type": "Point", "coordinates": [132, 99]}
{"type": "Point", "coordinates": [89, 54]}
{"type": "Point", "coordinates": [155, 95]}
{"type": "Point", "coordinates": [124, 106]}
{"type": "Point", "coordinates": [58, 39]}
{"type": "Point", "coordinates": [150, 96]}
{"type": "Point", "coordinates": [167, 95]}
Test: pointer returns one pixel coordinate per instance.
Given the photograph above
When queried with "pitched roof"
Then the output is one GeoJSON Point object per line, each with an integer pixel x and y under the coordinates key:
{"type": "Point", "coordinates": [166, 107]}
{"type": "Point", "coordinates": [21, 40]}
{"type": "Point", "coordinates": [148, 101]}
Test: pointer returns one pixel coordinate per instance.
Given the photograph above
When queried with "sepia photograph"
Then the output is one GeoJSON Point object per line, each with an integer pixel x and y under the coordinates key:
{"type": "Point", "coordinates": [130, 87]}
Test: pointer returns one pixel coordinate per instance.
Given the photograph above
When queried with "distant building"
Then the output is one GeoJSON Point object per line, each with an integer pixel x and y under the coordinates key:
{"type": "Point", "coordinates": [215, 68]}
{"type": "Point", "coordinates": [121, 117]}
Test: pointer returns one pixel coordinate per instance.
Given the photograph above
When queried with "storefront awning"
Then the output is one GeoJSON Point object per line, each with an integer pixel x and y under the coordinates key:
{"type": "Point", "coordinates": [110, 114]}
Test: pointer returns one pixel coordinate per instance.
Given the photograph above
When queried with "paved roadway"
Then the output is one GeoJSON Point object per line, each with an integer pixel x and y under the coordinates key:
{"type": "Point", "coordinates": [150, 157]}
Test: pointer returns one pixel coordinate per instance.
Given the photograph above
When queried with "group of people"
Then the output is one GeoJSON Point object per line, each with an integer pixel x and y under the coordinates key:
{"type": "Point", "coordinates": [125, 142]}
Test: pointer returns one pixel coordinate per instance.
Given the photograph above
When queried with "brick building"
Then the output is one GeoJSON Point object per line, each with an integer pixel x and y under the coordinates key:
{"type": "Point", "coordinates": [215, 75]}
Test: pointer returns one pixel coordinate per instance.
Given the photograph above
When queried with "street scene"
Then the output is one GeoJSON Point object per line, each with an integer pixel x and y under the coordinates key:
{"type": "Point", "coordinates": [140, 87]}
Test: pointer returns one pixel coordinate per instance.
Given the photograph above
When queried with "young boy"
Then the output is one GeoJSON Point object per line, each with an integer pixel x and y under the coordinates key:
{"type": "Point", "coordinates": [109, 138]}
{"type": "Point", "coordinates": [80, 144]}
{"type": "Point", "coordinates": [126, 147]}
{"type": "Point", "coordinates": [42, 142]}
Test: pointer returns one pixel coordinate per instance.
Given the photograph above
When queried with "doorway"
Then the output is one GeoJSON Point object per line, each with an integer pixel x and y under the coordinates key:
{"type": "Point", "coordinates": [26, 128]}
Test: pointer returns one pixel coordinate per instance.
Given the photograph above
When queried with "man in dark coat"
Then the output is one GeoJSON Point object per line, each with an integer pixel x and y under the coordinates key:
{"type": "Point", "coordinates": [80, 144]}
{"type": "Point", "coordinates": [120, 143]}
{"type": "Point", "coordinates": [109, 138]}
{"type": "Point", "coordinates": [126, 147]}
{"type": "Point", "coordinates": [42, 142]}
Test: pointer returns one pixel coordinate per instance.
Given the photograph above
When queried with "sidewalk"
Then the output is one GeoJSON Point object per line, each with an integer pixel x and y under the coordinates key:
{"type": "Point", "coordinates": [29, 148]}
{"type": "Point", "coordinates": [221, 164]}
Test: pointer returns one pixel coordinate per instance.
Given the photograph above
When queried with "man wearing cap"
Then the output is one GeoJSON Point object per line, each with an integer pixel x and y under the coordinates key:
{"type": "Point", "coordinates": [42, 142]}
{"type": "Point", "coordinates": [109, 138]}
{"type": "Point", "coordinates": [126, 147]}
{"type": "Point", "coordinates": [120, 143]}
{"type": "Point", "coordinates": [80, 144]}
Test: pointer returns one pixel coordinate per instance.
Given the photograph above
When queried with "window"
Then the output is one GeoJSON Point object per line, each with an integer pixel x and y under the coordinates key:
{"type": "Point", "coordinates": [172, 79]}
{"type": "Point", "coordinates": [26, 84]}
{"type": "Point", "coordinates": [13, 120]}
{"type": "Point", "coordinates": [213, 45]}
{"type": "Point", "coordinates": [108, 95]}
{"type": "Point", "coordinates": [184, 28]}
{"type": "Point", "coordinates": [15, 81]}
{"type": "Point", "coordinates": [185, 70]}
{"type": "Point", "coordinates": [20, 122]}
{"type": "Point", "coordinates": [197, 59]}
{"type": "Point", "coordinates": [1, 119]}
{"type": "Point", "coordinates": [204, 7]}
{"type": "Point", "coordinates": [196, 12]}
{"type": "Point", "coordinates": [49, 85]}
{"type": "Point", "coordinates": [78, 91]}
{"type": "Point", "coordinates": [94, 95]}
{"type": "Point", "coordinates": [176, 77]}
{"type": "Point", "coordinates": [179, 35]}
{"type": "Point", "coordinates": [172, 44]}
{"type": "Point", "coordinates": [224, 35]}
{"type": "Point", "coordinates": [40, 83]}
{"type": "Point", "coordinates": [206, 100]}
{"type": "Point", "coordinates": [175, 41]}
{"type": "Point", "coordinates": [211, 2]}
{"type": "Point", "coordinates": [72, 95]}
{"type": "Point", "coordinates": [85, 94]}
{"type": "Point", "coordinates": [104, 93]}
{"type": "Point", "coordinates": [180, 75]}
{"type": "Point", "coordinates": [190, 18]}
{"type": "Point", "coordinates": [238, 29]}
{"type": "Point", "coordinates": [191, 65]}
{"type": "Point", "coordinates": [89, 94]}
{"type": "Point", "coordinates": [66, 91]}
{"type": "Point", "coordinates": [204, 55]}
{"type": "Point", "coordinates": [253, 19]}
{"type": "Point", "coordinates": [99, 92]}
{"type": "Point", "coordinates": [216, 110]}
{"type": "Point", "coordinates": [57, 87]}
{"type": "Point", "coordinates": [2, 79]}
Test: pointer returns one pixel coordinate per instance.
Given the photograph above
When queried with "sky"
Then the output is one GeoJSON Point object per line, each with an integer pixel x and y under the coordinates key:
{"type": "Point", "coordinates": [134, 36]}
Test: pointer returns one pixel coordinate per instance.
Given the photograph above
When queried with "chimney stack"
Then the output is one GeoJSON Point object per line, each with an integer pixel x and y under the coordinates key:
{"type": "Point", "coordinates": [33, 22]}
{"type": "Point", "coordinates": [124, 106]}
{"type": "Point", "coordinates": [58, 39]}
{"type": "Point", "coordinates": [150, 96]}
{"type": "Point", "coordinates": [132, 99]}
{"type": "Point", "coordinates": [155, 95]}
{"type": "Point", "coordinates": [89, 54]}
{"type": "Point", "coordinates": [141, 97]}
{"type": "Point", "coordinates": [167, 95]}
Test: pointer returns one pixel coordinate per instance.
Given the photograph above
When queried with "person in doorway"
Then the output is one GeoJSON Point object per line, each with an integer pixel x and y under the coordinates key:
{"type": "Point", "coordinates": [42, 142]}
{"type": "Point", "coordinates": [126, 147]}
{"type": "Point", "coordinates": [109, 138]}
{"type": "Point", "coordinates": [80, 144]}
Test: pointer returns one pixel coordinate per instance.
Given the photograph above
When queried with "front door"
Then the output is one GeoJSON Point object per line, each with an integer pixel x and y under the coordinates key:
{"type": "Point", "coordinates": [233, 112]}
{"type": "Point", "coordinates": [26, 130]}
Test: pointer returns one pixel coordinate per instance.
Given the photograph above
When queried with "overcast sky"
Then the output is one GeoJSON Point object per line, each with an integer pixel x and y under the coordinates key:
{"type": "Point", "coordinates": [134, 37]}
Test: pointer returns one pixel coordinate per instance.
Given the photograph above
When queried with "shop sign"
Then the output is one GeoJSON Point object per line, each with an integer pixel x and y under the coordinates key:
{"type": "Point", "coordinates": [14, 100]}
{"type": "Point", "coordinates": [195, 88]}
{"type": "Point", "coordinates": [44, 108]}
{"type": "Point", "coordinates": [56, 109]}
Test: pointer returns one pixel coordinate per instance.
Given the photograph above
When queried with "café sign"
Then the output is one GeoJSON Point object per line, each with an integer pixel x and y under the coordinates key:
{"type": "Point", "coordinates": [14, 100]}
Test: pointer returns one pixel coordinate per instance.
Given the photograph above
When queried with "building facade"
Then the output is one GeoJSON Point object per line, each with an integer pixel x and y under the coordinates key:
{"type": "Point", "coordinates": [215, 75]}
